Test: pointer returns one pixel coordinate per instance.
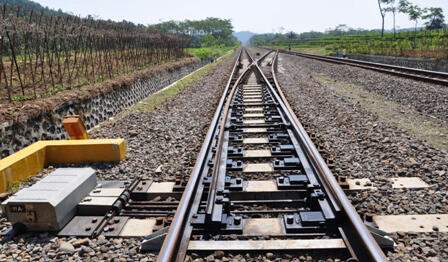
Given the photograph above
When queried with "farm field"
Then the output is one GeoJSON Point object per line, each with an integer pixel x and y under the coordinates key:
{"type": "Point", "coordinates": [64, 52]}
{"type": "Point", "coordinates": [425, 44]}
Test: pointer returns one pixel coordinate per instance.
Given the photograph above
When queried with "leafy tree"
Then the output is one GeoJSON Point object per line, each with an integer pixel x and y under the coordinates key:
{"type": "Point", "coordinates": [434, 18]}
{"type": "Point", "coordinates": [383, 12]}
{"type": "Point", "coordinates": [292, 35]}
{"type": "Point", "coordinates": [207, 41]}
{"type": "Point", "coordinates": [394, 7]}
{"type": "Point", "coordinates": [414, 12]}
{"type": "Point", "coordinates": [339, 30]}
{"type": "Point", "coordinates": [220, 29]}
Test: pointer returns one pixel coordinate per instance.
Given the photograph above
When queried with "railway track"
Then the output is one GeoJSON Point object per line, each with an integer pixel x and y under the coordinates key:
{"type": "Point", "coordinates": [435, 77]}
{"type": "Point", "coordinates": [259, 183]}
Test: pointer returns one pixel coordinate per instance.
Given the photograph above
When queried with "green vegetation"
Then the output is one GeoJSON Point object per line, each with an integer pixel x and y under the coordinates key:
{"type": "Point", "coordinates": [431, 42]}
{"type": "Point", "coordinates": [156, 100]}
{"type": "Point", "coordinates": [310, 49]}
{"type": "Point", "coordinates": [434, 16]}
{"type": "Point", "coordinates": [208, 37]}
{"type": "Point", "coordinates": [43, 53]}
{"type": "Point", "coordinates": [204, 52]}
{"type": "Point", "coordinates": [64, 58]}
{"type": "Point", "coordinates": [425, 127]}
{"type": "Point", "coordinates": [426, 43]}
{"type": "Point", "coordinates": [202, 33]}
{"type": "Point", "coordinates": [30, 5]}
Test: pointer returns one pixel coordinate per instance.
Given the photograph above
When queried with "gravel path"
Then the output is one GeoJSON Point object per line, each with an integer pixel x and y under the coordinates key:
{"type": "Point", "coordinates": [426, 98]}
{"type": "Point", "coordinates": [363, 146]}
{"type": "Point", "coordinates": [169, 137]}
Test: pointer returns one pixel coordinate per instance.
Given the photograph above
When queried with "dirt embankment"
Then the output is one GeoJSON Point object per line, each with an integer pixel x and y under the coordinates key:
{"type": "Point", "coordinates": [18, 111]}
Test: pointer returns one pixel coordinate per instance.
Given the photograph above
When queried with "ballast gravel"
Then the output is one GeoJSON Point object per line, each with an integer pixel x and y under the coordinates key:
{"type": "Point", "coordinates": [362, 146]}
{"type": "Point", "coordinates": [426, 98]}
{"type": "Point", "coordinates": [161, 145]}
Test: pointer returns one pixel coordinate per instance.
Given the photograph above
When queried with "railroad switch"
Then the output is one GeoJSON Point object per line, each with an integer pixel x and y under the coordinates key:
{"type": "Point", "coordinates": [55, 204]}
{"type": "Point", "coordinates": [86, 208]}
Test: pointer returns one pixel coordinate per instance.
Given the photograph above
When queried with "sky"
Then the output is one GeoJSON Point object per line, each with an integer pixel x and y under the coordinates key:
{"type": "Point", "coordinates": [259, 16]}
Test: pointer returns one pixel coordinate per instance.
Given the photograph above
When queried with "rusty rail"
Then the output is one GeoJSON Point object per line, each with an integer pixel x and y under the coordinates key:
{"type": "Point", "coordinates": [168, 251]}
{"type": "Point", "coordinates": [435, 77]}
{"type": "Point", "coordinates": [362, 235]}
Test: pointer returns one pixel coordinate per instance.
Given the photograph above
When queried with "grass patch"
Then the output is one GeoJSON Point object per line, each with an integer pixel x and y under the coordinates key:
{"type": "Point", "coordinates": [313, 50]}
{"type": "Point", "coordinates": [156, 100]}
{"type": "Point", "coordinates": [425, 128]}
{"type": "Point", "coordinates": [205, 52]}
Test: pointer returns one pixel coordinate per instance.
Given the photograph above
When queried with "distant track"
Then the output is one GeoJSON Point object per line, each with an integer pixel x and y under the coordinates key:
{"type": "Point", "coordinates": [435, 77]}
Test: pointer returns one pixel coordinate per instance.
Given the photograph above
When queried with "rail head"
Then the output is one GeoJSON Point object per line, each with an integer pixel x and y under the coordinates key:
{"type": "Point", "coordinates": [436, 77]}
{"type": "Point", "coordinates": [173, 246]}
{"type": "Point", "coordinates": [374, 251]}
{"type": "Point", "coordinates": [171, 242]}
{"type": "Point", "coordinates": [410, 69]}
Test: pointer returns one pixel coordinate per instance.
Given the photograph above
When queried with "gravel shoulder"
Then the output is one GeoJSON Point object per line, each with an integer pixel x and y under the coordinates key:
{"type": "Point", "coordinates": [426, 98]}
{"type": "Point", "coordinates": [337, 105]}
{"type": "Point", "coordinates": [167, 138]}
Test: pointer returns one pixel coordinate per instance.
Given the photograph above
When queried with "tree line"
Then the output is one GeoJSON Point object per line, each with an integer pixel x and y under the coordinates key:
{"type": "Point", "coordinates": [202, 33]}
{"type": "Point", "coordinates": [433, 16]}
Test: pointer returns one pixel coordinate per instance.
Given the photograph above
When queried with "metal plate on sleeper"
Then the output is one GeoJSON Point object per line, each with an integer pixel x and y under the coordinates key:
{"type": "Point", "coordinates": [106, 192]}
{"type": "Point", "coordinates": [81, 226]}
{"type": "Point", "coordinates": [115, 226]}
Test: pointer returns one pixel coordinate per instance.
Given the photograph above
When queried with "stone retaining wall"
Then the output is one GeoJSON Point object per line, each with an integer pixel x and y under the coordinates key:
{"type": "Point", "coordinates": [421, 63]}
{"type": "Point", "coordinates": [48, 125]}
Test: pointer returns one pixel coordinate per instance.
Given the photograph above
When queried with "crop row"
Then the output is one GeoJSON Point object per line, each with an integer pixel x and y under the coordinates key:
{"type": "Point", "coordinates": [41, 53]}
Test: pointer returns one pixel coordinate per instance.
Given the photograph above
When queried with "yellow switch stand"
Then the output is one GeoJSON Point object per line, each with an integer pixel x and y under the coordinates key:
{"type": "Point", "coordinates": [32, 159]}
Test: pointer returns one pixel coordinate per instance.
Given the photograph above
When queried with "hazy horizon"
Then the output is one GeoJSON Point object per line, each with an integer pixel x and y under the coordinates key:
{"type": "Point", "coordinates": [295, 16]}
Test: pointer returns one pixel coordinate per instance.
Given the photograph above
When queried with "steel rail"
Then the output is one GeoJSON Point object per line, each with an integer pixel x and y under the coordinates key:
{"type": "Point", "coordinates": [374, 252]}
{"type": "Point", "coordinates": [171, 241]}
{"type": "Point", "coordinates": [352, 228]}
{"type": "Point", "coordinates": [414, 73]}
{"type": "Point", "coordinates": [211, 195]}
